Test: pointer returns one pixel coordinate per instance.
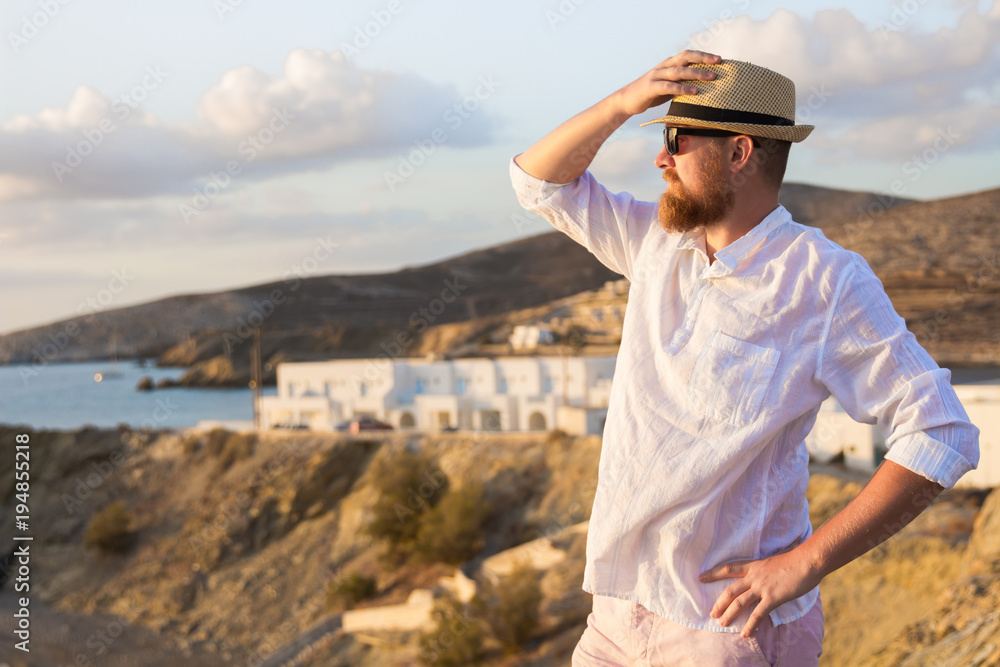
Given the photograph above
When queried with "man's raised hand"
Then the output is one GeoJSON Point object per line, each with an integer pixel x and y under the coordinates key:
{"type": "Point", "coordinates": [662, 83]}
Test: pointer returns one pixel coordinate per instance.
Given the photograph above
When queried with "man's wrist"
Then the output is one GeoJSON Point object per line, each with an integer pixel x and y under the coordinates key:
{"type": "Point", "coordinates": [813, 559]}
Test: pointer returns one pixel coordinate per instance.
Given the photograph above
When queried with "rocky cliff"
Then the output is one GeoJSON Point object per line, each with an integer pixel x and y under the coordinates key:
{"type": "Point", "coordinates": [234, 538]}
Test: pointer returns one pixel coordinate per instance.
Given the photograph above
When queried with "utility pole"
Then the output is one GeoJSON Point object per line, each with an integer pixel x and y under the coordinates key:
{"type": "Point", "coordinates": [256, 379]}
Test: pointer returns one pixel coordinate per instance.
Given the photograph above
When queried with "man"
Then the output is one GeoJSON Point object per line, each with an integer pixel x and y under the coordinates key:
{"type": "Point", "coordinates": [740, 323]}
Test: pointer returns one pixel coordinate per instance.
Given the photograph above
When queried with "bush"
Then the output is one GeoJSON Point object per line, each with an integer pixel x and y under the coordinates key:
{"type": "Point", "coordinates": [110, 529]}
{"type": "Point", "coordinates": [408, 485]}
{"type": "Point", "coordinates": [457, 638]}
{"type": "Point", "coordinates": [350, 589]}
{"type": "Point", "coordinates": [556, 436]}
{"type": "Point", "coordinates": [511, 608]}
{"type": "Point", "coordinates": [452, 532]}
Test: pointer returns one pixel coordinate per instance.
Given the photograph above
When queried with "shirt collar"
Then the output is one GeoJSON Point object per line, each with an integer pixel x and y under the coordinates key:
{"type": "Point", "coordinates": [730, 257]}
{"type": "Point", "coordinates": [736, 252]}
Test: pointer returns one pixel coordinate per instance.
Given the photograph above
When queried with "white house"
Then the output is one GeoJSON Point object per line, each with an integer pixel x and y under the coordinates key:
{"type": "Point", "coordinates": [542, 393]}
{"type": "Point", "coordinates": [528, 337]}
{"type": "Point", "coordinates": [863, 447]}
{"type": "Point", "coordinates": [504, 394]}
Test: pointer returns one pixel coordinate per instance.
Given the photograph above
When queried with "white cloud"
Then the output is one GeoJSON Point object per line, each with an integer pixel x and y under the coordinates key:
{"type": "Point", "coordinates": [877, 91]}
{"type": "Point", "coordinates": [322, 109]}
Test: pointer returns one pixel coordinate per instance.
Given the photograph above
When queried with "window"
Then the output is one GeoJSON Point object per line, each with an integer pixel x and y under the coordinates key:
{"type": "Point", "coordinates": [460, 386]}
{"type": "Point", "coordinates": [420, 385]}
{"type": "Point", "coordinates": [363, 388]}
{"type": "Point", "coordinates": [502, 386]}
{"type": "Point", "coordinates": [548, 385]}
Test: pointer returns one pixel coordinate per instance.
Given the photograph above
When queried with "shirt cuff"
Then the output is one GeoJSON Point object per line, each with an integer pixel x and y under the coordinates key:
{"type": "Point", "coordinates": [531, 190]}
{"type": "Point", "coordinates": [930, 458]}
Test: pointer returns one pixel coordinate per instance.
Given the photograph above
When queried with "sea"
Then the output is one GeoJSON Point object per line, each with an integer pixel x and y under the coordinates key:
{"type": "Point", "coordinates": [67, 397]}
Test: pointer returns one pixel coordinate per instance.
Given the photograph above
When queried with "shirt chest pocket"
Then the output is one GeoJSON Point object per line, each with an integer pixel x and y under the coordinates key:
{"type": "Point", "coordinates": [730, 379]}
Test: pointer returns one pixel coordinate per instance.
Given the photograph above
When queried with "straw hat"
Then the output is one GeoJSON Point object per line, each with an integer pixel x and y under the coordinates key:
{"type": "Point", "coordinates": [743, 98]}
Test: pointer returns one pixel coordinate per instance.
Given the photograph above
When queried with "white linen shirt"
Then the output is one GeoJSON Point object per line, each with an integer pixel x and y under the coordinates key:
{"type": "Point", "coordinates": [720, 374]}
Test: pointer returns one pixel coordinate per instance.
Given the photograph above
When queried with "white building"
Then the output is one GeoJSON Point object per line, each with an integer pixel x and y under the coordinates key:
{"type": "Point", "coordinates": [528, 337]}
{"type": "Point", "coordinates": [864, 448]}
{"type": "Point", "coordinates": [505, 394]}
{"type": "Point", "coordinates": [542, 393]}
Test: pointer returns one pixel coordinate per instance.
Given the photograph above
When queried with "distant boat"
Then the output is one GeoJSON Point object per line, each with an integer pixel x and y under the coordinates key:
{"type": "Point", "coordinates": [113, 373]}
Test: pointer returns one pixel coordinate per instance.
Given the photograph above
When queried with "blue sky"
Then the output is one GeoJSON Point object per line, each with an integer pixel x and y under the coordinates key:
{"type": "Point", "coordinates": [197, 146]}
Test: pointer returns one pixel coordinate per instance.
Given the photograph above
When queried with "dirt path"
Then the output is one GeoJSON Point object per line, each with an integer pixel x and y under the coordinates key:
{"type": "Point", "coordinates": [60, 638]}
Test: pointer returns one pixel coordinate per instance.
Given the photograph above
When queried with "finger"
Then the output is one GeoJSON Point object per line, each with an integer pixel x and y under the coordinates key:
{"type": "Point", "coordinates": [678, 73]}
{"type": "Point", "coordinates": [693, 56]}
{"type": "Point", "coordinates": [737, 568]}
{"type": "Point", "coordinates": [755, 618]}
{"type": "Point", "coordinates": [671, 89]}
{"type": "Point", "coordinates": [748, 599]}
{"type": "Point", "coordinates": [728, 596]}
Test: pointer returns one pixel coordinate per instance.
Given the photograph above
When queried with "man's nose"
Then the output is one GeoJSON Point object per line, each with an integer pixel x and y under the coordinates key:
{"type": "Point", "coordinates": [663, 160]}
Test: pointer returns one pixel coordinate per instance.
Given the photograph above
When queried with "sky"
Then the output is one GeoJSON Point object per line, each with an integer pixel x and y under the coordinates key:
{"type": "Point", "coordinates": [149, 151]}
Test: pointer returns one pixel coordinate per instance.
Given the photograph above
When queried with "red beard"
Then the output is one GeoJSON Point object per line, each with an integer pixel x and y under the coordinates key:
{"type": "Point", "coordinates": [682, 211]}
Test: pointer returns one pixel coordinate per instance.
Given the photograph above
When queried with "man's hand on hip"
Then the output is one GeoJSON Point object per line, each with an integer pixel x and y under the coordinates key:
{"type": "Point", "coordinates": [768, 583]}
{"type": "Point", "coordinates": [893, 497]}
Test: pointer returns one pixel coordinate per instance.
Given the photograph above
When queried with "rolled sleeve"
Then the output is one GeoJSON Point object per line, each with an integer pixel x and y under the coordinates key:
{"type": "Point", "coordinates": [878, 372]}
{"type": "Point", "coordinates": [932, 457]}
{"type": "Point", "coordinates": [611, 226]}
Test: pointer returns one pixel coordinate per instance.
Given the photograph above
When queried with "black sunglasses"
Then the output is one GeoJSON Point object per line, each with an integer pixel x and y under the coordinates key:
{"type": "Point", "coordinates": [670, 135]}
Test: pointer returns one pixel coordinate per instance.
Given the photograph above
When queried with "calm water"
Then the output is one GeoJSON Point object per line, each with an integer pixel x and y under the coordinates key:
{"type": "Point", "coordinates": [65, 396]}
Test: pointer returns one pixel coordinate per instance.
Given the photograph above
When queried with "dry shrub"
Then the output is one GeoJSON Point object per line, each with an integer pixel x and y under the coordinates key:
{"type": "Point", "coordinates": [511, 608]}
{"type": "Point", "coordinates": [457, 638]}
{"type": "Point", "coordinates": [350, 589]}
{"type": "Point", "coordinates": [409, 485]}
{"type": "Point", "coordinates": [110, 530]}
{"type": "Point", "coordinates": [452, 532]}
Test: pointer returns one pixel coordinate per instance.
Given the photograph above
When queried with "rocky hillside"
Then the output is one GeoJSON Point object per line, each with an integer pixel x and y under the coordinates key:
{"type": "Point", "coordinates": [345, 315]}
{"type": "Point", "coordinates": [940, 264]}
{"type": "Point", "coordinates": [234, 538]}
{"type": "Point", "coordinates": [316, 317]}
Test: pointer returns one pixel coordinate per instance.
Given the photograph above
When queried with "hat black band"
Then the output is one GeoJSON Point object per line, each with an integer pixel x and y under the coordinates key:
{"type": "Point", "coordinates": [713, 115]}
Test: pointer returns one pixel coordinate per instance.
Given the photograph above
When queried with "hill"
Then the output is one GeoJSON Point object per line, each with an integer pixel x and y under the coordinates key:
{"type": "Point", "coordinates": [235, 537]}
{"type": "Point", "coordinates": [325, 315]}
{"type": "Point", "coordinates": [945, 284]}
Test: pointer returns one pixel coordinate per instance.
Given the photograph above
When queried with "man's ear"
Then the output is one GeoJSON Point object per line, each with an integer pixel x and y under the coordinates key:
{"type": "Point", "coordinates": [741, 152]}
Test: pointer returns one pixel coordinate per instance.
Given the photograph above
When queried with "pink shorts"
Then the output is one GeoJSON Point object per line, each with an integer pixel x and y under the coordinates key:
{"type": "Point", "coordinates": [625, 633]}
